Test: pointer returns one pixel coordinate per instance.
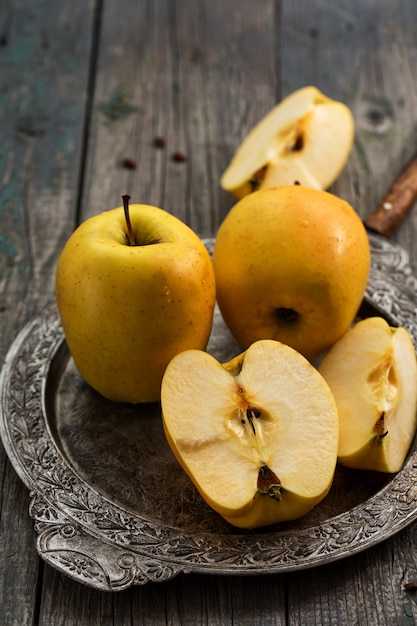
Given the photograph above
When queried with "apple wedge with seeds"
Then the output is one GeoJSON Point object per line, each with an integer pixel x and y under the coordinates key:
{"type": "Point", "coordinates": [307, 137]}
{"type": "Point", "coordinates": [257, 436]}
{"type": "Point", "coordinates": [372, 372]}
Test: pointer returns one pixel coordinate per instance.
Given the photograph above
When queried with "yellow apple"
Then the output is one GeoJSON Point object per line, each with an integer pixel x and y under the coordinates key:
{"type": "Point", "coordinates": [372, 372]}
{"type": "Point", "coordinates": [258, 436]}
{"type": "Point", "coordinates": [129, 305]}
{"type": "Point", "coordinates": [292, 264]}
{"type": "Point", "coordinates": [307, 138]}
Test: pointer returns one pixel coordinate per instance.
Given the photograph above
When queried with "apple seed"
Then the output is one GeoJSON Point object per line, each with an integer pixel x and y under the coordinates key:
{"type": "Point", "coordinates": [252, 414]}
{"type": "Point", "coordinates": [257, 178]}
{"type": "Point", "coordinates": [179, 157]}
{"type": "Point", "coordinates": [129, 163]}
{"type": "Point", "coordinates": [298, 144]}
{"type": "Point", "coordinates": [379, 428]}
{"type": "Point", "coordinates": [159, 142]}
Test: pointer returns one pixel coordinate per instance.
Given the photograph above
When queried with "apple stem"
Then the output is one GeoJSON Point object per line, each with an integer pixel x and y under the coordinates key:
{"type": "Point", "coordinates": [130, 234]}
{"type": "Point", "coordinates": [274, 491]}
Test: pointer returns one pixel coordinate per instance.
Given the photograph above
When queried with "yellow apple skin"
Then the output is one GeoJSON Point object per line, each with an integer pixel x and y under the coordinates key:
{"type": "Point", "coordinates": [291, 264]}
{"type": "Point", "coordinates": [295, 434]}
{"type": "Point", "coordinates": [127, 310]}
{"type": "Point", "coordinates": [372, 372]}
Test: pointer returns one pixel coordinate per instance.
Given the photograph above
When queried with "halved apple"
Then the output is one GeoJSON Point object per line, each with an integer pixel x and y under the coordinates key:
{"type": "Point", "coordinates": [257, 436]}
{"type": "Point", "coordinates": [372, 372]}
{"type": "Point", "coordinates": [306, 138]}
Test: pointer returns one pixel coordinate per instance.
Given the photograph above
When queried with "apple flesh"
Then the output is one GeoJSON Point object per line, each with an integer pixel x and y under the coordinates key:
{"type": "Point", "coordinates": [372, 373]}
{"type": "Point", "coordinates": [126, 310]}
{"type": "Point", "coordinates": [306, 138]}
{"type": "Point", "coordinates": [291, 264]}
{"type": "Point", "coordinates": [257, 436]}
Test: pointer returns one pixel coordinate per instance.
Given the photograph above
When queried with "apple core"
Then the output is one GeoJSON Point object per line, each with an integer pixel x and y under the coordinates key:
{"type": "Point", "coordinates": [268, 483]}
{"type": "Point", "coordinates": [257, 436]}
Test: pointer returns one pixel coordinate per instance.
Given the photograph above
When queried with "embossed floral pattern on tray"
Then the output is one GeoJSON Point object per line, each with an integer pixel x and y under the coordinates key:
{"type": "Point", "coordinates": [112, 534]}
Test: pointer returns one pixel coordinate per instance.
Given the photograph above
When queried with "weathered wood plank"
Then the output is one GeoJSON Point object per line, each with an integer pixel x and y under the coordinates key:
{"type": "Point", "coordinates": [198, 74]}
{"type": "Point", "coordinates": [44, 59]}
{"type": "Point", "coordinates": [186, 600]}
{"type": "Point", "coordinates": [364, 589]}
{"type": "Point", "coordinates": [20, 574]}
{"type": "Point", "coordinates": [45, 67]}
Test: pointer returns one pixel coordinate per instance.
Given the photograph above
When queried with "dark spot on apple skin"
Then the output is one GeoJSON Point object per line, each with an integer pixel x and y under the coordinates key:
{"type": "Point", "coordinates": [286, 316]}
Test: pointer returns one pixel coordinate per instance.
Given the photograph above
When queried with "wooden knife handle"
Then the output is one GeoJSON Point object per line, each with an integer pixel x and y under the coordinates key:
{"type": "Point", "coordinates": [395, 205]}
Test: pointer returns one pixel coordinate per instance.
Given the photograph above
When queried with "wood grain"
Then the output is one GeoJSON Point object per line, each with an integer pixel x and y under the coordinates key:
{"type": "Point", "coordinates": [197, 74]}
{"type": "Point", "coordinates": [44, 58]}
{"type": "Point", "coordinates": [86, 84]}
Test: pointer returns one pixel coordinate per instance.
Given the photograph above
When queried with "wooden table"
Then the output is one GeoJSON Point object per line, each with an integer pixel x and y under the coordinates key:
{"type": "Point", "coordinates": [85, 85]}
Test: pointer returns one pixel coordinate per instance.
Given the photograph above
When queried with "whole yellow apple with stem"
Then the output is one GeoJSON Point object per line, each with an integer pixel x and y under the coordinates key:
{"type": "Point", "coordinates": [292, 264]}
{"type": "Point", "coordinates": [134, 286]}
{"type": "Point", "coordinates": [257, 436]}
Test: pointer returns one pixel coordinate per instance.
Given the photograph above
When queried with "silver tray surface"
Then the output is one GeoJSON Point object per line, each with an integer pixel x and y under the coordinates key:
{"type": "Point", "coordinates": [111, 506]}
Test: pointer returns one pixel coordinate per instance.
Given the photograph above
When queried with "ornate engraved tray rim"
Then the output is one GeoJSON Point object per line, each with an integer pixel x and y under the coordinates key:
{"type": "Point", "coordinates": [98, 542]}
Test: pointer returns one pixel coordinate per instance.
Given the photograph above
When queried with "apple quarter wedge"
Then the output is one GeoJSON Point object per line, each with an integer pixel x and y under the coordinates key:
{"type": "Point", "coordinates": [306, 138]}
{"type": "Point", "coordinates": [372, 372]}
{"type": "Point", "coordinates": [257, 436]}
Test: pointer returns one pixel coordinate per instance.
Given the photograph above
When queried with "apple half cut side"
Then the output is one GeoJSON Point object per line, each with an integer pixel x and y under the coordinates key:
{"type": "Point", "coordinates": [372, 372]}
{"type": "Point", "coordinates": [257, 436]}
{"type": "Point", "coordinates": [306, 138]}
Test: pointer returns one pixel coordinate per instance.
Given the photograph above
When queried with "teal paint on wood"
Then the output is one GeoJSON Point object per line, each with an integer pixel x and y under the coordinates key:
{"type": "Point", "coordinates": [117, 107]}
{"type": "Point", "coordinates": [7, 249]}
{"type": "Point", "coordinates": [11, 179]}
{"type": "Point", "coordinates": [10, 195]}
{"type": "Point", "coordinates": [24, 51]}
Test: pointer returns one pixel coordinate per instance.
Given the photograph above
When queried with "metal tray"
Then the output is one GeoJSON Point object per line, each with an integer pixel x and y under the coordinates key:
{"type": "Point", "coordinates": [111, 506]}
